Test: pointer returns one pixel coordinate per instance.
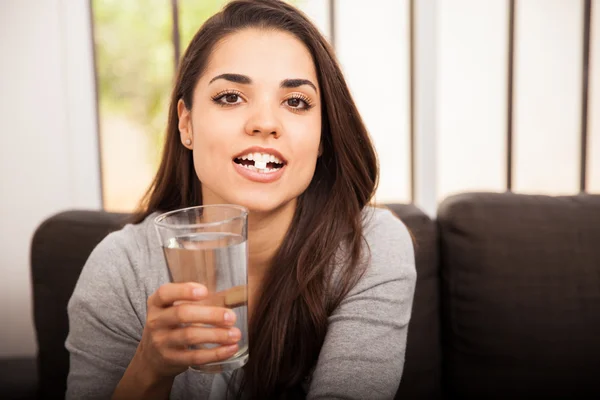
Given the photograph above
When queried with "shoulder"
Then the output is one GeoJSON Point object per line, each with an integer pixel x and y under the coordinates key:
{"type": "Point", "coordinates": [129, 257]}
{"type": "Point", "coordinates": [384, 228]}
{"type": "Point", "coordinates": [388, 247]}
{"type": "Point", "coordinates": [132, 238]}
{"type": "Point", "coordinates": [385, 234]}
{"type": "Point", "coordinates": [125, 246]}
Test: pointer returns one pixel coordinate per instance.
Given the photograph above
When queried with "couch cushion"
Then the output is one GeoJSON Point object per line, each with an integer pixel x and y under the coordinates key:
{"type": "Point", "coordinates": [521, 295]}
{"type": "Point", "coordinates": [59, 249]}
{"type": "Point", "coordinates": [422, 369]}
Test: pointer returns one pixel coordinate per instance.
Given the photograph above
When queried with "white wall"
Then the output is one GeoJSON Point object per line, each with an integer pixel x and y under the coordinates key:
{"type": "Point", "coordinates": [547, 96]}
{"type": "Point", "coordinates": [48, 157]}
{"type": "Point", "coordinates": [372, 45]}
{"type": "Point", "coordinates": [426, 91]}
{"type": "Point", "coordinates": [471, 102]}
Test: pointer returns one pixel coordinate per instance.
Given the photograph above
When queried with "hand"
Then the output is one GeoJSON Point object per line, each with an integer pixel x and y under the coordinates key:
{"type": "Point", "coordinates": [170, 330]}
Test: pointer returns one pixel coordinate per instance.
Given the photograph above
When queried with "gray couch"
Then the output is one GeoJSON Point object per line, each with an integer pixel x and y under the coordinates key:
{"type": "Point", "coordinates": [507, 303]}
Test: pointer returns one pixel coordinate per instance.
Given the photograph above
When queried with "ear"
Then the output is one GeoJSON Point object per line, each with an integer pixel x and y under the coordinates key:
{"type": "Point", "coordinates": [185, 124]}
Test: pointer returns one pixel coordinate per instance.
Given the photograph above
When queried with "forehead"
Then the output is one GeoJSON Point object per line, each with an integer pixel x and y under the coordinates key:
{"type": "Point", "coordinates": [264, 55]}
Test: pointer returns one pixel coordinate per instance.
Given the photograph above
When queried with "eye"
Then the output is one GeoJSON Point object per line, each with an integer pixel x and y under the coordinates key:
{"type": "Point", "coordinates": [295, 102]}
{"type": "Point", "coordinates": [299, 103]}
{"type": "Point", "coordinates": [231, 98]}
{"type": "Point", "coordinates": [227, 98]}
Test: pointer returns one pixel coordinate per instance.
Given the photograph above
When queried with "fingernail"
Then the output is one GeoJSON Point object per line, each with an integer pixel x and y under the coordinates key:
{"type": "Point", "coordinates": [228, 316]}
{"type": "Point", "coordinates": [199, 292]}
{"type": "Point", "coordinates": [234, 333]}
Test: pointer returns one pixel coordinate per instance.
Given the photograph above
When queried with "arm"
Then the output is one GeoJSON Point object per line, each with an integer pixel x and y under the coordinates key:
{"type": "Point", "coordinates": [363, 353]}
{"type": "Point", "coordinates": [122, 342]}
{"type": "Point", "coordinates": [138, 383]}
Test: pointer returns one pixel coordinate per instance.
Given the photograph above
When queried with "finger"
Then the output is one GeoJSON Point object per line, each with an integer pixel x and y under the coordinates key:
{"type": "Point", "coordinates": [169, 293]}
{"type": "Point", "coordinates": [205, 356]}
{"type": "Point", "coordinates": [191, 313]}
{"type": "Point", "coordinates": [193, 335]}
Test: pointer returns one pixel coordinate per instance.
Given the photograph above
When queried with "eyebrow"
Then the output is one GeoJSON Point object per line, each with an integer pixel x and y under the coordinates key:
{"type": "Point", "coordinates": [245, 80]}
{"type": "Point", "coordinates": [294, 83]}
{"type": "Point", "coordinates": [235, 78]}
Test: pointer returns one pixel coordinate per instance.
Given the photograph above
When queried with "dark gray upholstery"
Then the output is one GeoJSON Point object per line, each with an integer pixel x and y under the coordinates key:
{"type": "Point", "coordinates": [521, 296]}
{"type": "Point", "coordinates": [59, 249]}
{"type": "Point", "coordinates": [18, 379]}
{"type": "Point", "coordinates": [422, 370]}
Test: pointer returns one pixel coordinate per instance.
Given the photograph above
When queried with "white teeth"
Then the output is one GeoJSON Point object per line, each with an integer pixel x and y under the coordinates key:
{"type": "Point", "coordinates": [261, 158]}
{"type": "Point", "coordinates": [260, 164]}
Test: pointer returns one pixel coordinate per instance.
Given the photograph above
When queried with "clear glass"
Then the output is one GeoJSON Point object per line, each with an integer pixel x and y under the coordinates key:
{"type": "Point", "coordinates": [208, 245]}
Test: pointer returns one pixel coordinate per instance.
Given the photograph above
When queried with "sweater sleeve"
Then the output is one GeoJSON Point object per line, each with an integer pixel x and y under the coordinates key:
{"type": "Point", "coordinates": [105, 326]}
{"type": "Point", "coordinates": [363, 353]}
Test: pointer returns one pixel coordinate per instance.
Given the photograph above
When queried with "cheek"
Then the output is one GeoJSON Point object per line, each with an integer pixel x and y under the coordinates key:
{"type": "Point", "coordinates": [304, 143]}
{"type": "Point", "coordinates": [212, 145]}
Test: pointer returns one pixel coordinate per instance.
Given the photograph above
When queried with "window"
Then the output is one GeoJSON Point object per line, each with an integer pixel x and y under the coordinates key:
{"type": "Point", "coordinates": [508, 90]}
{"type": "Point", "coordinates": [135, 64]}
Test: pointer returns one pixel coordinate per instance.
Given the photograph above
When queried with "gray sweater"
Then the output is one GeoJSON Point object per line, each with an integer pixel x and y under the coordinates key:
{"type": "Point", "coordinates": [362, 356]}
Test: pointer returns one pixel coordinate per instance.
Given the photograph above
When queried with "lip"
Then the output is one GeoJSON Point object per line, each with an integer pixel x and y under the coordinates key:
{"type": "Point", "coordinates": [256, 149]}
{"type": "Point", "coordinates": [258, 176]}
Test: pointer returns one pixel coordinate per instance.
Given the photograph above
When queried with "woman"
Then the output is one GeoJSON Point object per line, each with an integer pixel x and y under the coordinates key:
{"type": "Point", "coordinates": [331, 279]}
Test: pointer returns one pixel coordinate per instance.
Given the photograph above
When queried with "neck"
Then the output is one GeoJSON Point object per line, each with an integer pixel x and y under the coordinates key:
{"type": "Point", "coordinates": [265, 235]}
{"type": "Point", "coordinates": [266, 231]}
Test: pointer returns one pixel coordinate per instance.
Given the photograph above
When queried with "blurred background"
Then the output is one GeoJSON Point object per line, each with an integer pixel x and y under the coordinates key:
{"type": "Point", "coordinates": [458, 95]}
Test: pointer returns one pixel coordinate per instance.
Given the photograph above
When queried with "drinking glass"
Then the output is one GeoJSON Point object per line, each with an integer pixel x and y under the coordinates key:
{"type": "Point", "coordinates": [208, 245]}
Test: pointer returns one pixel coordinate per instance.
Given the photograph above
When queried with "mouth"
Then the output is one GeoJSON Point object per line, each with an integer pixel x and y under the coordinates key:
{"type": "Point", "coordinates": [261, 162]}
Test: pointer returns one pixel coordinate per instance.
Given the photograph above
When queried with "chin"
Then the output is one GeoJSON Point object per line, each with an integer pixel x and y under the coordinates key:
{"type": "Point", "coordinates": [262, 203]}
{"type": "Point", "coordinates": [261, 207]}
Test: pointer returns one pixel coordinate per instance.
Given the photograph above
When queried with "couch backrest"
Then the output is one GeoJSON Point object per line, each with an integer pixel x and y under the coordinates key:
{"type": "Point", "coordinates": [62, 244]}
{"type": "Point", "coordinates": [59, 249]}
{"type": "Point", "coordinates": [421, 378]}
{"type": "Point", "coordinates": [520, 296]}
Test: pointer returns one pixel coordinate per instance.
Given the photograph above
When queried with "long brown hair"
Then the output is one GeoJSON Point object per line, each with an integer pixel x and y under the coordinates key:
{"type": "Point", "coordinates": [298, 292]}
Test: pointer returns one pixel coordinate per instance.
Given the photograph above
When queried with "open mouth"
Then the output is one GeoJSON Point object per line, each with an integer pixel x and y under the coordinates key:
{"type": "Point", "coordinates": [260, 162]}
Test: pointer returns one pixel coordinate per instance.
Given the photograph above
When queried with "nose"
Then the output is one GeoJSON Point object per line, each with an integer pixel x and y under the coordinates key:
{"type": "Point", "coordinates": [264, 121]}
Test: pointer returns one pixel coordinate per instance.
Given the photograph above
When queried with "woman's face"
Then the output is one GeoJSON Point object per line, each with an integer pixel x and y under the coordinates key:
{"type": "Point", "coordinates": [255, 123]}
